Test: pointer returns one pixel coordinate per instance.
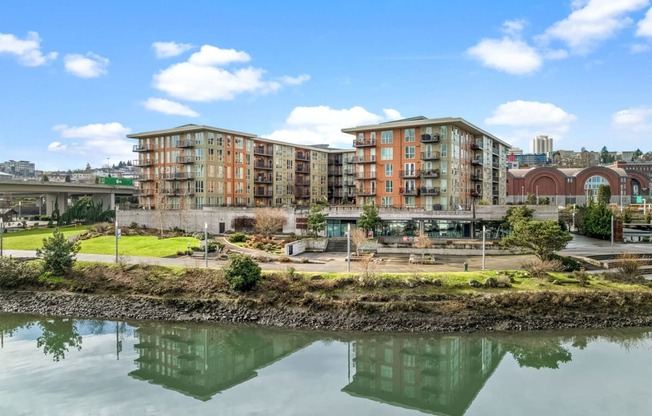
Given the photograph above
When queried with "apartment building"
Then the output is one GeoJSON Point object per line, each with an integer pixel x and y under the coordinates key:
{"type": "Point", "coordinates": [18, 168]}
{"type": "Point", "coordinates": [433, 164]}
{"type": "Point", "coordinates": [194, 166]}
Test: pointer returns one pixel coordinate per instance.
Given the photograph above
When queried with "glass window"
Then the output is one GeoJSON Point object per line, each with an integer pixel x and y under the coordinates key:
{"type": "Point", "coordinates": [409, 152]}
{"type": "Point", "coordinates": [389, 169]}
{"type": "Point", "coordinates": [410, 135]}
{"type": "Point", "coordinates": [410, 201]}
{"type": "Point", "coordinates": [387, 201]}
{"type": "Point", "coordinates": [239, 142]}
{"type": "Point", "coordinates": [386, 137]}
{"type": "Point", "coordinates": [444, 150]}
{"type": "Point", "coordinates": [389, 187]}
{"type": "Point", "coordinates": [444, 168]}
{"type": "Point", "coordinates": [386, 153]}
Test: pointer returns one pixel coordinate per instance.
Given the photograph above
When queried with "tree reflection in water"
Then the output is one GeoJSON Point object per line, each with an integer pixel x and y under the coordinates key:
{"type": "Point", "coordinates": [59, 335]}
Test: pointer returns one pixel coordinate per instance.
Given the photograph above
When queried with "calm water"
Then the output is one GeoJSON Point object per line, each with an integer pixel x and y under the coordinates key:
{"type": "Point", "coordinates": [79, 367]}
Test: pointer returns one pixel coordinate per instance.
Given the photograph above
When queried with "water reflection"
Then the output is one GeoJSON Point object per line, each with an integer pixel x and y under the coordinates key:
{"type": "Point", "coordinates": [200, 361]}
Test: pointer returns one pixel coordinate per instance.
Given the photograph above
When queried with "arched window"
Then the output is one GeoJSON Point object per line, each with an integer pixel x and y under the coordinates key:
{"type": "Point", "coordinates": [591, 187]}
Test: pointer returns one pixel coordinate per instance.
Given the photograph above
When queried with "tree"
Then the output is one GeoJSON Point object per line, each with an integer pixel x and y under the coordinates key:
{"type": "Point", "coordinates": [604, 194]}
{"type": "Point", "coordinates": [67, 179]}
{"type": "Point", "coordinates": [87, 211]}
{"type": "Point", "coordinates": [596, 221]}
{"type": "Point", "coordinates": [45, 178]}
{"type": "Point", "coordinates": [518, 213]}
{"type": "Point", "coordinates": [88, 167]}
{"type": "Point", "coordinates": [637, 154]}
{"type": "Point", "coordinates": [316, 219]}
{"type": "Point", "coordinates": [242, 273]}
{"type": "Point", "coordinates": [268, 221]}
{"type": "Point", "coordinates": [531, 199]}
{"type": "Point", "coordinates": [544, 238]}
{"type": "Point", "coordinates": [605, 156]}
{"type": "Point", "coordinates": [58, 253]}
{"type": "Point", "coordinates": [423, 242]}
{"type": "Point", "coordinates": [358, 237]}
{"type": "Point", "coordinates": [369, 219]}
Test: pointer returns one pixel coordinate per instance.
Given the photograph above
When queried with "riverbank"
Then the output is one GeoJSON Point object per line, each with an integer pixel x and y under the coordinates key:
{"type": "Point", "coordinates": [515, 311]}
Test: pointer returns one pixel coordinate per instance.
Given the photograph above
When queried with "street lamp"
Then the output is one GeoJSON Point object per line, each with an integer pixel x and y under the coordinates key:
{"type": "Point", "coordinates": [206, 244]}
{"type": "Point", "coordinates": [537, 197]}
{"type": "Point", "coordinates": [2, 231]}
{"type": "Point", "coordinates": [522, 195]}
{"type": "Point", "coordinates": [348, 247]}
{"type": "Point", "coordinates": [20, 205]}
{"type": "Point", "coordinates": [484, 233]}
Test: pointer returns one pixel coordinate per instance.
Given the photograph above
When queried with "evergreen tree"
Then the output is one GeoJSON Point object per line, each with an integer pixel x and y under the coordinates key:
{"type": "Point", "coordinates": [369, 218]}
{"type": "Point", "coordinates": [316, 219]}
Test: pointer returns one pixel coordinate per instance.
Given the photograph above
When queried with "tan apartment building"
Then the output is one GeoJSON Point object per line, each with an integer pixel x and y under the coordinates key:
{"type": "Point", "coordinates": [433, 164]}
{"type": "Point", "coordinates": [194, 166]}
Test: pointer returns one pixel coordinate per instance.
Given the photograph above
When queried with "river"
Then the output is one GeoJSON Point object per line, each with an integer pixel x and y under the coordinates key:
{"type": "Point", "coordinates": [55, 366]}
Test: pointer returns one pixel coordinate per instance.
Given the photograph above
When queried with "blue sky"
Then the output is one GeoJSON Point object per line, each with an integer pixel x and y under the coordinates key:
{"type": "Point", "coordinates": [77, 76]}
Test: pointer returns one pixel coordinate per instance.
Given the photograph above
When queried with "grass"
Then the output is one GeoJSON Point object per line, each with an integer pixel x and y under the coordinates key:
{"type": "Point", "coordinates": [33, 238]}
{"type": "Point", "coordinates": [145, 246]}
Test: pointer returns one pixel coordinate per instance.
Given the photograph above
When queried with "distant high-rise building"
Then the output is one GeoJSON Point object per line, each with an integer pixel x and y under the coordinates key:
{"type": "Point", "coordinates": [18, 168]}
{"type": "Point", "coordinates": [541, 144]}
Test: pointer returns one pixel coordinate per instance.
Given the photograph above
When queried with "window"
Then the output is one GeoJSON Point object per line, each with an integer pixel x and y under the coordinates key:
{"type": "Point", "coordinates": [409, 135]}
{"type": "Point", "coordinates": [444, 150]}
{"type": "Point", "coordinates": [410, 169]}
{"type": "Point", "coordinates": [386, 137]}
{"type": "Point", "coordinates": [361, 136]}
{"type": "Point", "coordinates": [444, 168]}
{"type": "Point", "coordinates": [387, 201]}
{"type": "Point", "coordinates": [239, 142]}
{"type": "Point", "coordinates": [386, 153]}
{"type": "Point", "coordinates": [410, 185]}
{"type": "Point", "coordinates": [409, 201]}
{"type": "Point", "coordinates": [389, 169]}
{"type": "Point", "coordinates": [389, 187]}
{"type": "Point", "coordinates": [409, 152]}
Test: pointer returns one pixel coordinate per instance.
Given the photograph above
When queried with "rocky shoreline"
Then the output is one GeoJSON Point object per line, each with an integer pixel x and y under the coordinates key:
{"type": "Point", "coordinates": [511, 312]}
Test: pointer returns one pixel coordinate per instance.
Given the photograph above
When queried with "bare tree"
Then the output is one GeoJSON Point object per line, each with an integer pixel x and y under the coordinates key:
{"type": "Point", "coordinates": [423, 242]}
{"type": "Point", "coordinates": [161, 207]}
{"type": "Point", "coordinates": [269, 221]}
{"type": "Point", "coordinates": [358, 237]}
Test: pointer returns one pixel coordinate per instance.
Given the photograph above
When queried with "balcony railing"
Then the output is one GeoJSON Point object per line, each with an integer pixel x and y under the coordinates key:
{"type": "Point", "coordinates": [147, 148]}
{"type": "Point", "coordinates": [263, 179]}
{"type": "Point", "coordinates": [476, 194]}
{"type": "Point", "coordinates": [409, 191]}
{"type": "Point", "coordinates": [145, 177]}
{"type": "Point", "coordinates": [476, 177]}
{"type": "Point", "coordinates": [262, 151]}
{"type": "Point", "coordinates": [349, 171]}
{"type": "Point", "coordinates": [143, 162]}
{"type": "Point", "coordinates": [409, 173]}
{"type": "Point", "coordinates": [365, 192]}
{"type": "Point", "coordinates": [302, 183]}
{"type": "Point", "coordinates": [476, 161]}
{"type": "Point", "coordinates": [185, 159]}
{"type": "Point", "coordinates": [430, 138]}
{"type": "Point", "coordinates": [258, 193]}
{"type": "Point", "coordinates": [336, 161]}
{"type": "Point", "coordinates": [303, 169]}
{"type": "Point", "coordinates": [364, 142]}
{"type": "Point", "coordinates": [430, 156]}
{"type": "Point", "coordinates": [145, 192]}
{"type": "Point", "coordinates": [186, 143]}
{"type": "Point", "coordinates": [335, 171]}
{"type": "Point", "coordinates": [495, 165]}
{"type": "Point", "coordinates": [495, 178]}
{"type": "Point", "coordinates": [177, 192]}
{"type": "Point", "coordinates": [495, 150]}
{"type": "Point", "coordinates": [365, 175]}
{"type": "Point", "coordinates": [263, 165]}
{"type": "Point", "coordinates": [429, 190]}
{"type": "Point", "coordinates": [365, 159]}
{"type": "Point", "coordinates": [349, 183]}
{"type": "Point", "coordinates": [178, 176]}
{"type": "Point", "coordinates": [430, 173]}
{"type": "Point", "coordinates": [302, 156]}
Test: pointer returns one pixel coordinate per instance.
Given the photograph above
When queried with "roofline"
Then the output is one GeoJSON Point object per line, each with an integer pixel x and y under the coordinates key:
{"type": "Point", "coordinates": [187, 128]}
{"type": "Point", "coordinates": [460, 122]}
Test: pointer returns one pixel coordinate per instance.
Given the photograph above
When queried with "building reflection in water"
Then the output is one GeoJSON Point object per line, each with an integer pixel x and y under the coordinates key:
{"type": "Point", "coordinates": [202, 361]}
{"type": "Point", "coordinates": [440, 375]}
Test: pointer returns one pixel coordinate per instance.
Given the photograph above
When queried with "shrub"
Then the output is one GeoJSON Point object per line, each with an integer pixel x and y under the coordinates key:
{"type": "Point", "coordinates": [133, 225]}
{"type": "Point", "coordinates": [238, 238]}
{"type": "Point", "coordinates": [569, 264]}
{"type": "Point", "coordinates": [242, 273]}
{"type": "Point", "coordinates": [539, 268]}
{"type": "Point", "coordinates": [17, 274]}
{"type": "Point", "coordinates": [582, 277]}
{"type": "Point", "coordinates": [58, 253]}
{"type": "Point", "coordinates": [628, 266]}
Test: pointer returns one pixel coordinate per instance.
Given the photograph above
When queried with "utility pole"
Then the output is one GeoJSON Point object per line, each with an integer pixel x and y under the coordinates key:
{"type": "Point", "coordinates": [206, 244]}
{"type": "Point", "coordinates": [348, 248]}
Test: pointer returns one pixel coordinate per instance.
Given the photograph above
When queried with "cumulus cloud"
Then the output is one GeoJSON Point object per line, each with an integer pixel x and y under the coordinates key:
{"type": "Point", "coordinates": [203, 78]}
{"type": "Point", "coordinates": [27, 51]}
{"type": "Point", "coordinates": [322, 124]}
{"type": "Point", "coordinates": [169, 107]}
{"type": "Point", "coordinates": [94, 141]}
{"type": "Point", "coordinates": [638, 119]}
{"type": "Point", "coordinates": [89, 66]}
{"type": "Point", "coordinates": [645, 25]}
{"type": "Point", "coordinates": [170, 49]}
{"type": "Point", "coordinates": [513, 56]}
{"type": "Point", "coordinates": [591, 22]}
{"type": "Point", "coordinates": [526, 119]}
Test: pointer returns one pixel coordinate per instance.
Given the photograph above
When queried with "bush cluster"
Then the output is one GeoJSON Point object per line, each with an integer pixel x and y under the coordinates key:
{"type": "Point", "coordinates": [18, 274]}
{"type": "Point", "coordinates": [238, 238]}
{"type": "Point", "coordinates": [242, 273]}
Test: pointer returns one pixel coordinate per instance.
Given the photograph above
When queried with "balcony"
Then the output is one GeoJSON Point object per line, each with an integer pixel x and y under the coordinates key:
{"type": "Point", "coordinates": [185, 159]}
{"type": "Point", "coordinates": [349, 183]}
{"type": "Point", "coordinates": [186, 143]}
{"type": "Point", "coordinates": [178, 176]}
{"type": "Point", "coordinates": [364, 142]}
{"type": "Point", "coordinates": [302, 195]}
{"type": "Point", "coordinates": [302, 156]}
{"type": "Point", "coordinates": [145, 192]}
{"type": "Point", "coordinates": [364, 159]}
{"type": "Point", "coordinates": [476, 194]}
{"type": "Point", "coordinates": [495, 178]}
{"type": "Point", "coordinates": [366, 175]}
{"type": "Point", "coordinates": [263, 179]}
{"type": "Point", "coordinates": [177, 192]}
{"type": "Point", "coordinates": [476, 146]}
{"type": "Point", "coordinates": [302, 183]}
{"type": "Point", "coordinates": [477, 161]}
{"type": "Point", "coordinates": [336, 161]}
{"type": "Point", "coordinates": [334, 171]}
{"type": "Point", "coordinates": [139, 148]}
{"type": "Point", "coordinates": [430, 173]}
{"type": "Point", "coordinates": [262, 151]}
{"type": "Point", "coordinates": [261, 193]}
{"type": "Point", "coordinates": [430, 138]}
{"type": "Point", "coordinates": [429, 191]}
{"type": "Point", "coordinates": [430, 156]}
{"type": "Point", "coordinates": [262, 165]}
{"type": "Point", "coordinates": [304, 170]}
{"type": "Point", "coordinates": [409, 173]}
{"type": "Point", "coordinates": [495, 165]}
{"type": "Point", "coordinates": [349, 171]}
{"type": "Point", "coordinates": [409, 191]}
{"type": "Point", "coordinates": [365, 192]}
{"type": "Point", "coordinates": [143, 162]}
{"type": "Point", "coordinates": [477, 177]}
{"type": "Point", "coordinates": [143, 177]}
{"type": "Point", "coordinates": [495, 150]}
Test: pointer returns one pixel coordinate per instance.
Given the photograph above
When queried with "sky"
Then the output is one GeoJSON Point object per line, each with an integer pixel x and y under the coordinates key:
{"type": "Point", "coordinates": [76, 77]}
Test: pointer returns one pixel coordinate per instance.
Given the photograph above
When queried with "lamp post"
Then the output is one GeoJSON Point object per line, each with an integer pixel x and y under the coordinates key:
{"type": "Point", "coordinates": [206, 244]}
{"type": "Point", "coordinates": [40, 204]}
{"type": "Point", "coordinates": [522, 195]}
{"type": "Point", "coordinates": [117, 235]}
{"type": "Point", "coordinates": [622, 197]}
{"type": "Point", "coordinates": [2, 231]}
{"type": "Point", "coordinates": [484, 233]}
{"type": "Point", "coordinates": [612, 233]}
{"type": "Point", "coordinates": [537, 196]}
{"type": "Point", "coordinates": [348, 248]}
{"type": "Point", "coordinates": [20, 206]}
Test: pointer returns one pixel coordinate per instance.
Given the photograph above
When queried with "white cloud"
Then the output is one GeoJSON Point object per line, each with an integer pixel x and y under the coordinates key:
{"type": "Point", "coordinates": [638, 119]}
{"type": "Point", "coordinates": [212, 56]}
{"type": "Point", "coordinates": [526, 119]}
{"type": "Point", "coordinates": [27, 51]}
{"type": "Point", "coordinates": [94, 141]}
{"type": "Point", "coordinates": [645, 25]}
{"type": "Point", "coordinates": [514, 27]}
{"type": "Point", "coordinates": [513, 56]}
{"type": "Point", "coordinates": [89, 66]}
{"type": "Point", "coordinates": [202, 79]}
{"type": "Point", "coordinates": [639, 48]}
{"type": "Point", "coordinates": [170, 49]}
{"type": "Point", "coordinates": [591, 22]}
{"type": "Point", "coordinates": [169, 107]}
{"type": "Point", "coordinates": [322, 124]}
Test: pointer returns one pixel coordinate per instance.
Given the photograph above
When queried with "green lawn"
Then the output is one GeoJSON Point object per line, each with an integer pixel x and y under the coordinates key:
{"type": "Point", "coordinates": [146, 246]}
{"type": "Point", "coordinates": [33, 238]}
